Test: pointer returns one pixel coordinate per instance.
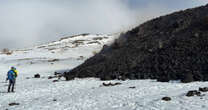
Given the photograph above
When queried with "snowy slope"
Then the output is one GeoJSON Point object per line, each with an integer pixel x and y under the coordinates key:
{"type": "Point", "coordinates": [89, 93]}
{"type": "Point", "coordinates": [66, 53]}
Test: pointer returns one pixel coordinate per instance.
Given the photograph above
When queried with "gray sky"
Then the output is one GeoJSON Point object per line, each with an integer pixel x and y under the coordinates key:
{"type": "Point", "coordinates": [25, 23]}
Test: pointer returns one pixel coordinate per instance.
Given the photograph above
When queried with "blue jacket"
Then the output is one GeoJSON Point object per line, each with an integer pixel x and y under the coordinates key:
{"type": "Point", "coordinates": [11, 75]}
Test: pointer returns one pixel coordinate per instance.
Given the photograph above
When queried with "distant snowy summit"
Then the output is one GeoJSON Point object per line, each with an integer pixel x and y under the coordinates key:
{"type": "Point", "coordinates": [65, 53]}
{"type": "Point", "coordinates": [70, 45]}
{"type": "Point", "coordinates": [78, 40]}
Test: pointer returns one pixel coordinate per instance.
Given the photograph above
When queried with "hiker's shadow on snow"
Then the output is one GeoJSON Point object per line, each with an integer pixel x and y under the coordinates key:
{"type": "Point", "coordinates": [3, 82]}
{"type": "Point", "coordinates": [4, 85]}
{"type": "Point", "coordinates": [3, 92]}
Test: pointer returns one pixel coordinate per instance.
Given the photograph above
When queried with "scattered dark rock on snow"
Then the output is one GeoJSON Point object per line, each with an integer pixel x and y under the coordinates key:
{"type": "Point", "coordinates": [205, 89]}
{"type": "Point", "coordinates": [111, 84]}
{"type": "Point", "coordinates": [53, 60]}
{"type": "Point", "coordinates": [193, 93]}
{"type": "Point", "coordinates": [54, 100]}
{"type": "Point", "coordinates": [51, 77]}
{"type": "Point", "coordinates": [166, 98]}
{"type": "Point", "coordinates": [56, 73]}
{"type": "Point", "coordinates": [37, 76]}
{"type": "Point", "coordinates": [174, 46]}
{"type": "Point", "coordinates": [55, 80]}
{"type": "Point", "coordinates": [13, 104]}
{"type": "Point", "coordinates": [133, 87]}
{"type": "Point", "coordinates": [59, 75]}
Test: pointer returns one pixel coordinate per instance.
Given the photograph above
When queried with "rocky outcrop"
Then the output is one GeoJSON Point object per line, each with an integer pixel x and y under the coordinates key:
{"type": "Point", "coordinates": [167, 48]}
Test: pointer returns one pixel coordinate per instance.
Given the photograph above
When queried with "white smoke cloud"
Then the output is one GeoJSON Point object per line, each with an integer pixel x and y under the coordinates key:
{"type": "Point", "coordinates": [27, 22]}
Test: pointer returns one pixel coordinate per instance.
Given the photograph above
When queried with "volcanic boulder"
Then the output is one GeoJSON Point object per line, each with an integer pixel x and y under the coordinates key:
{"type": "Point", "coordinates": [37, 76]}
{"type": "Point", "coordinates": [205, 89]}
{"type": "Point", "coordinates": [171, 47]}
{"type": "Point", "coordinates": [166, 98]}
{"type": "Point", "coordinates": [193, 93]}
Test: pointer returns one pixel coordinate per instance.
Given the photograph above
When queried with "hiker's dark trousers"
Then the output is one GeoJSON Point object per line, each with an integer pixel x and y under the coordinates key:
{"type": "Point", "coordinates": [11, 84]}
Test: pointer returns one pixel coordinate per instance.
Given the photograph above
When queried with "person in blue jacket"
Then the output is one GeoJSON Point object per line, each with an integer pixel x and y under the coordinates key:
{"type": "Point", "coordinates": [11, 76]}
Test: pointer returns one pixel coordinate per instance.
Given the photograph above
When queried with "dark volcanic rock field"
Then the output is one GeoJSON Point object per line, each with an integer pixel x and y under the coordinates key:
{"type": "Point", "coordinates": [167, 48]}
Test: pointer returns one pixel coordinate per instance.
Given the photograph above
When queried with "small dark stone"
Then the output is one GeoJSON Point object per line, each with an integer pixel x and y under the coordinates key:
{"type": "Point", "coordinates": [53, 60]}
{"type": "Point", "coordinates": [55, 80]}
{"type": "Point", "coordinates": [37, 76]}
{"type": "Point", "coordinates": [193, 93]}
{"type": "Point", "coordinates": [111, 84]}
{"type": "Point", "coordinates": [13, 104]}
{"type": "Point", "coordinates": [133, 87]}
{"type": "Point", "coordinates": [166, 98]}
{"type": "Point", "coordinates": [205, 89]}
{"type": "Point", "coordinates": [50, 77]}
{"type": "Point", "coordinates": [117, 84]}
{"type": "Point", "coordinates": [54, 100]}
{"type": "Point", "coordinates": [56, 73]}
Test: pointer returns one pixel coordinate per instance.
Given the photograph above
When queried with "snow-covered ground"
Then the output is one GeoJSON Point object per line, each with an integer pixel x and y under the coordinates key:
{"type": "Point", "coordinates": [89, 93]}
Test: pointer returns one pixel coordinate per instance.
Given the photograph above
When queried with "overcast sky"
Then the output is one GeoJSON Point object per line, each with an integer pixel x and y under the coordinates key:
{"type": "Point", "coordinates": [28, 22]}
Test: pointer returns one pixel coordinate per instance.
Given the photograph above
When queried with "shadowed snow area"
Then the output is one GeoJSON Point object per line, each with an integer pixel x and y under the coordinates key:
{"type": "Point", "coordinates": [84, 94]}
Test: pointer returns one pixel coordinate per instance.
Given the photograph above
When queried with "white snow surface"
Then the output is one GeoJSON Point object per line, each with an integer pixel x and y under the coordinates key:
{"type": "Point", "coordinates": [89, 93]}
